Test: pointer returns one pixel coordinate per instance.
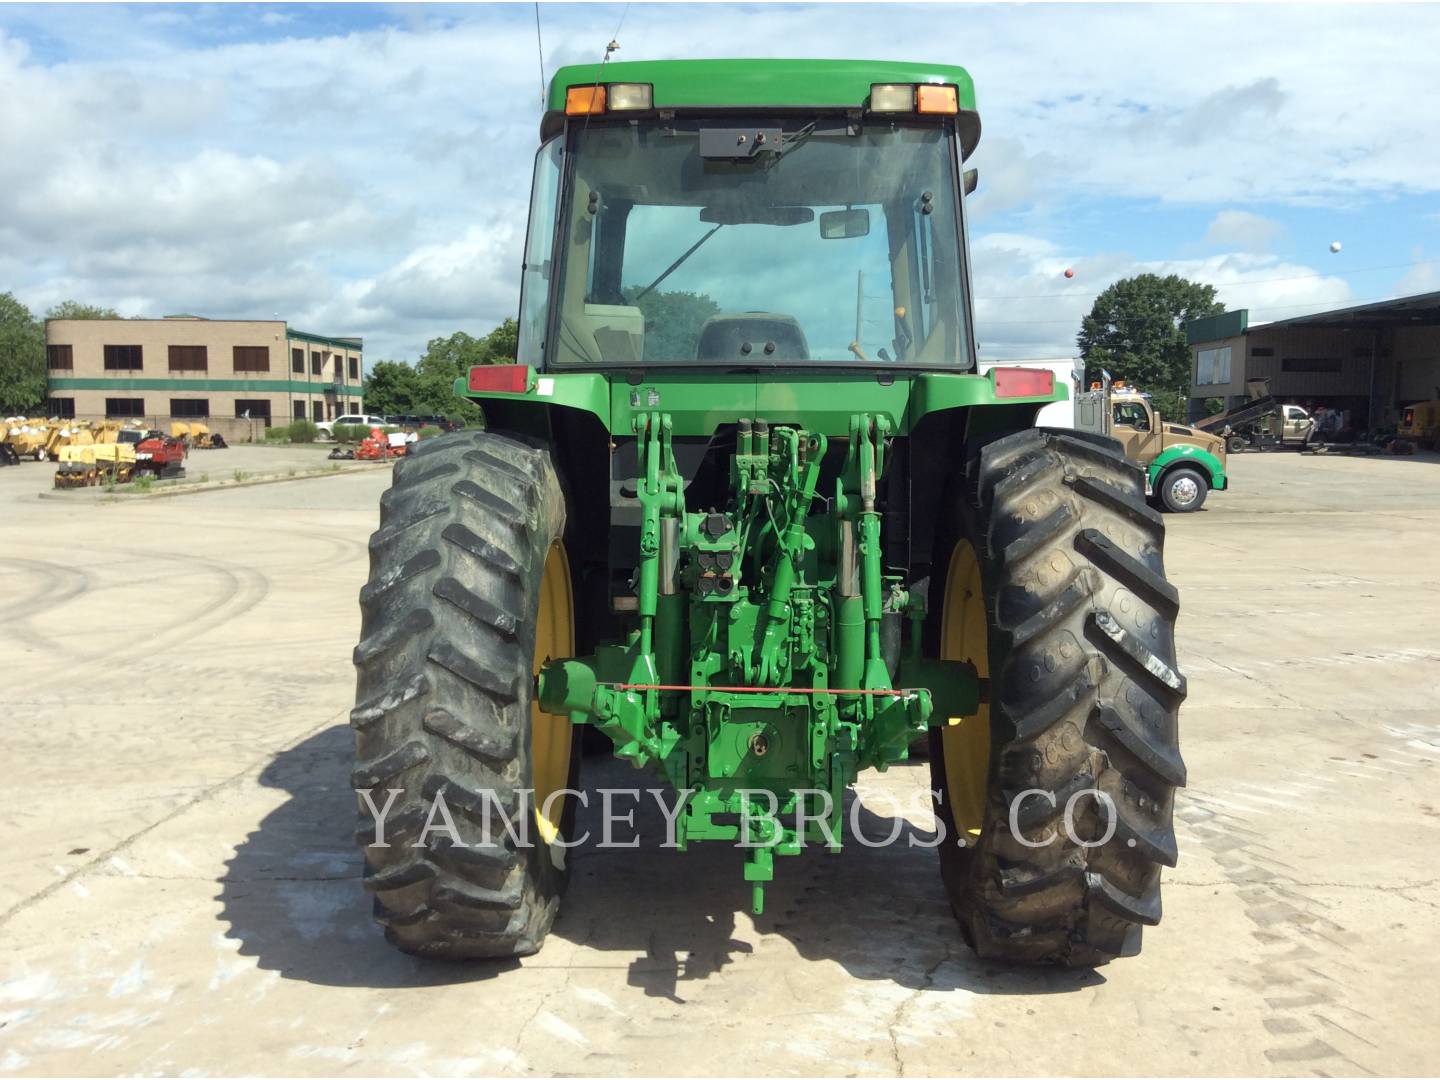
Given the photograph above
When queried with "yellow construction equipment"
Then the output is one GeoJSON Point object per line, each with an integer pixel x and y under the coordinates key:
{"type": "Point", "coordinates": [197, 435]}
{"type": "Point", "coordinates": [86, 465]}
{"type": "Point", "coordinates": [27, 437]}
{"type": "Point", "coordinates": [68, 433]}
{"type": "Point", "coordinates": [1421, 423]}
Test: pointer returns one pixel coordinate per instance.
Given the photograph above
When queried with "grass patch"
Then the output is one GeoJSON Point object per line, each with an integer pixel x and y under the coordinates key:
{"type": "Point", "coordinates": [241, 476]}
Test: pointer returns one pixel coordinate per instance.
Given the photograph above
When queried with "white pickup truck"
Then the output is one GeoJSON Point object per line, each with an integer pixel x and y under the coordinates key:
{"type": "Point", "coordinates": [327, 427]}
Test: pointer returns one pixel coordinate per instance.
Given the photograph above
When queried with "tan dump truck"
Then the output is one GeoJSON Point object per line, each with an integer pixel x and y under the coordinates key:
{"type": "Point", "coordinates": [1182, 464]}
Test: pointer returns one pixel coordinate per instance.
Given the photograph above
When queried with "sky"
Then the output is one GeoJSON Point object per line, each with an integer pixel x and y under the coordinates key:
{"type": "Point", "coordinates": [364, 170]}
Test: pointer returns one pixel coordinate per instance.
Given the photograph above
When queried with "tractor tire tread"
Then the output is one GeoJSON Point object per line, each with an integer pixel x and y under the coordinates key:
{"type": "Point", "coordinates": [1085, 692]}
{"type": "Point", "coordinates": [443, 698]}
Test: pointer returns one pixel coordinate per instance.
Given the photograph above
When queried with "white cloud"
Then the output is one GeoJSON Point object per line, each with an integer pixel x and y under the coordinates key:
{"type": "Point", "coordinates": [374, 181]}
{"type": "Point", "coordinates": [1026, 307]}
{"type": "Point", "coordinates": [1423, 277]}
{"type": "Point", "coordinates": [1007, 174]}
{"type": "Point", "coordinates": [437, 280]}
{"type": "Point", "coordinates": [1242, 230]}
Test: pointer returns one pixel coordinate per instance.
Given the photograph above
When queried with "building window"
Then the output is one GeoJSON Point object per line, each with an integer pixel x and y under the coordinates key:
{"type": "Point", "coordinates": [1212, 367]}
{"type": "Point", "coordinates": [120, 408]}
{"type": "Point", "coordinates": [316, 360]}
{"type": "Point", "coordinates": [60, 408]}
{"type": "Point", "coordinates": [252, 358]}
{"type": "Point", "coordinates": [60, 357]}
{"type": "Point", "coordinates": [1262, 350]}
{"type": "Point", "coordinates": [189, 358]}
{"type": "Point", "coordinates": [1315, 365]}
{"type": "Point", "coordinates": [299, 410]}
{"type": "Point", "coordinates": [354, 369]}
{"type": "Point", "coordinates": [317, 411]}
{"type": "Point", "coordinates": [123, 358]}
{"type": "Point", "coordinates": [339, 370]}
{"type": "Point", "coordinates": [253, 409]}
{"type": "Point", "coordinates": [190, 407]}
{"type": "Point", "coordinates": [297, 361]}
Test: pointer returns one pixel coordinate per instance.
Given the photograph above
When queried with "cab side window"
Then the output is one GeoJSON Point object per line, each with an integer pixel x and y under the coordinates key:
{"type": "Point", "coordinates": [1129, 414]}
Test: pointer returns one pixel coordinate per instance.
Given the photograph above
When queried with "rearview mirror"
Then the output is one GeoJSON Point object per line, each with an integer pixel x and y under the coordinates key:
{"type": "Point", "coordinates": [844, 224]}
{"type": "Point", "coordinates": [971, 177]}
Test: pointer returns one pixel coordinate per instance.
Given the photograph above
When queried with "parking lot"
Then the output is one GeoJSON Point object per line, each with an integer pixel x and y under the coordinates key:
{"type": "Point", "coordinates": [181, 886]}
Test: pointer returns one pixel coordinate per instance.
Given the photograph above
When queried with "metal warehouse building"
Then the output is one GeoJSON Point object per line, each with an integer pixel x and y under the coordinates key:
{"type": "Point", "coordinates": [1372, 360]}
{"type": "Point", "coordinates": [185, 367]}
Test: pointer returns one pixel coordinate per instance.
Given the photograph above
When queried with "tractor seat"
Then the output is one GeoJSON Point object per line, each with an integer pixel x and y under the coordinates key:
{"type": "Point", "coordinates": [755, 335]}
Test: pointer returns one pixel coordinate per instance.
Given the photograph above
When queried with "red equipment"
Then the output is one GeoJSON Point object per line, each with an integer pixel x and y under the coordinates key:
{"type": "Point", "coordinates": [160, 454]}
{"type": "Point", "coordinates": [378, 447]}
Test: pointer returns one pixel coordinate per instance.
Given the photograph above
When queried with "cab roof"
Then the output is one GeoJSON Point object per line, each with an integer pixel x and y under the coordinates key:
{"type": "Point", "coordinates": [760, 84]}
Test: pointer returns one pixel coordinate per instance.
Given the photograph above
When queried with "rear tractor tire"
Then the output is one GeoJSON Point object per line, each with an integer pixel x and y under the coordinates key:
{"type": "Point", "coordinates": [469, 592]}
{"type": "Point", "coordinates": [1054, 587]}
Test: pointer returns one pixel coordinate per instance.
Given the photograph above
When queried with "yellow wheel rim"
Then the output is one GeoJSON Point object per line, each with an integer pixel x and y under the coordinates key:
{"type": "Point", "coordinates": [966, 740]}
{"type": "Point", "coordinates": [551, 736]}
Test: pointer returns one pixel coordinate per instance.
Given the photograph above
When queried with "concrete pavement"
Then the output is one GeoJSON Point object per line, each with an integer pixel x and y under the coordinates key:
{"type": "Point", "coordinates": [181, 885]}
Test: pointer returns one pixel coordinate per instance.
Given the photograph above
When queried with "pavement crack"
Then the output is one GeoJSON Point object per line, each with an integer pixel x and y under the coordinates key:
{"type": "Point", "coordinates": [1251, 678]}
{"type": "Point", "coordinates": [545, 999]}
{"type": "Point", "coordinates": [205, 795]}
{"type": "Point", "coordinates": [1279, 881]}
{"type": "Point", "coordinates": [928, 983]}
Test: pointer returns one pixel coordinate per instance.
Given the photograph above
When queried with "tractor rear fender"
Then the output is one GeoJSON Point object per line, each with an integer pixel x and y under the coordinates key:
{"type": "Point", "coordinates": [822, 398]}
{"type": "Point", "coordinates": [1185, 454]}
{"type": "Point", "coordinates": [581, 414]}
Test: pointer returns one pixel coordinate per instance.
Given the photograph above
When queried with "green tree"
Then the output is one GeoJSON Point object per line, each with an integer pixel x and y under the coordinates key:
{"type": "Point", "coordinates": [22, 357]}
{"type": "Point", "coordinates": [1135, 331]}
{"type": "Point", "coordinates": [445, 360]}
{"type": "Point", "coordinates": [428, 387]}
{"type": "Point", "coordinates": [74, 309]}
{"type": "Point", "coordinates": [391, 387]}
{"type": "Point", "coordinates": [448, 359]}
{"type": "Point", "coordinates": [672, 322]}
{"type": "Point", "coordinates": [502, 345]}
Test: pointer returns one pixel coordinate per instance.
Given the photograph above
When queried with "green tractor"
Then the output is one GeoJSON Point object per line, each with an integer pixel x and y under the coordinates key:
{"type": "Point", "coordinates": [745, 507]}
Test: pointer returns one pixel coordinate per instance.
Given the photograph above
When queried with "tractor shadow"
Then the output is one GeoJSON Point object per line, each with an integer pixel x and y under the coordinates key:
{"type": "Point", "coordinates": [292, 898]}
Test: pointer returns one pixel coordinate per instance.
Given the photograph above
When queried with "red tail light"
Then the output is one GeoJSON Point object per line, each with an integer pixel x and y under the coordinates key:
{"type": "Point", "coordinates": [1023, 382]}
{"type": "Point", "coordinates": [500, 378]}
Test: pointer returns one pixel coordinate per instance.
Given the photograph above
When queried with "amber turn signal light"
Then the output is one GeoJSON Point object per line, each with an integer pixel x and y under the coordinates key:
{"type": "Point", "coordinates": [584, 100]}
{"type": "Point", "coordinates": [937, 99]}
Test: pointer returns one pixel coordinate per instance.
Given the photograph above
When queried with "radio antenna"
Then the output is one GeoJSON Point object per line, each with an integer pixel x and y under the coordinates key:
{"type": "Point", "coordinates": [610, 48]}
{"type": "Point", "coordinates": [540, 48]}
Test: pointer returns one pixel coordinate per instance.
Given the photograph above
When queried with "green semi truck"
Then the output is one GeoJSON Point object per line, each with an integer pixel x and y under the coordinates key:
{"type": "Point", "coordinates": [745, 506]}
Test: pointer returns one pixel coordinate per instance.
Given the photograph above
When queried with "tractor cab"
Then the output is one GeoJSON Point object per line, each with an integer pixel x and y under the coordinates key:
{"type": "Point", "coordinates": [829, 234]}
